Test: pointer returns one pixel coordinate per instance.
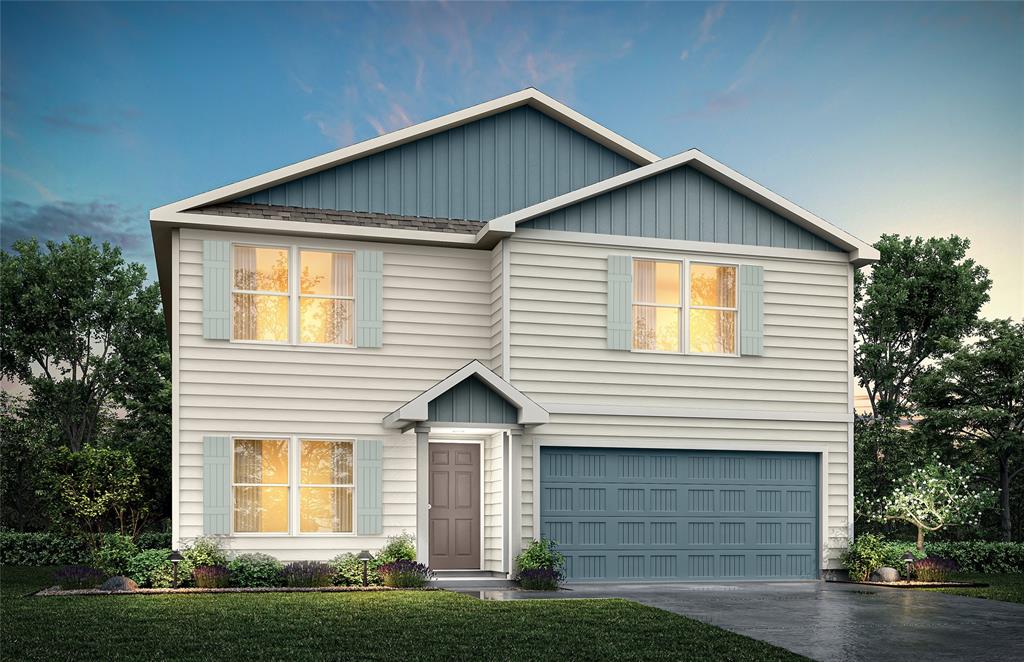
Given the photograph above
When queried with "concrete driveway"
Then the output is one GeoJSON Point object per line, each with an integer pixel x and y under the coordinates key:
{"type": "Point", "coordinates": [826, 621]}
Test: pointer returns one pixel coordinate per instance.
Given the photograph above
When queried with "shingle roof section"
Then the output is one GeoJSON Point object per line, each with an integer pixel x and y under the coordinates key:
{"type": "Point", "coordinates": [365, 219]}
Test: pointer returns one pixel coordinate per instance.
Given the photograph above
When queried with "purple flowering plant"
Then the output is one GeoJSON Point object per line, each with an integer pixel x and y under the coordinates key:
{"type": "Point", "coordinates": [78, 576]}
{"type": "Point", "coordinates": [404, 574]}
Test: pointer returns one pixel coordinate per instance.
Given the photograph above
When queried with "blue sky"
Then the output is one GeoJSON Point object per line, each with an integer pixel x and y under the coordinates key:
{"type": "Point", "coordinates": [878, 117]}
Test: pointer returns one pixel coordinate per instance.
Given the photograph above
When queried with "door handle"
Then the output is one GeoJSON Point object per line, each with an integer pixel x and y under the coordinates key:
{"type": "Point", "coordinates": [428, 506]}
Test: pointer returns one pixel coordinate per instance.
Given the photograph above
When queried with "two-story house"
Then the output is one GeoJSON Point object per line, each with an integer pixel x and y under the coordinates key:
{"type": "Point", "coordinates": [506, 323]}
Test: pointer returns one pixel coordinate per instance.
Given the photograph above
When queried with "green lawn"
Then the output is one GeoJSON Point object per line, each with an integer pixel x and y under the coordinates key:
{"type": "Point", "coordinates": [1009, 588]}
{"type": "Point", "coordinates": [411, 625]}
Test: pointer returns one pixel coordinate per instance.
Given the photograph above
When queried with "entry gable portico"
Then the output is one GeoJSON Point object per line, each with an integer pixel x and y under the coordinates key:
{"type": "Point", "coordinates": [471, 394]}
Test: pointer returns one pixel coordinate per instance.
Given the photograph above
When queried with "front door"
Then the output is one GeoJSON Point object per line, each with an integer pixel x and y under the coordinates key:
{"type": "Point", "coordinates": [454, 506]}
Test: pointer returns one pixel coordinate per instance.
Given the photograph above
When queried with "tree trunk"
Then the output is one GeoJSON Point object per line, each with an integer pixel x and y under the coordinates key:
{"type": "Point", "coordinates": [920, 539]}
{"type": "Point", "coordinates": [1004, 495]}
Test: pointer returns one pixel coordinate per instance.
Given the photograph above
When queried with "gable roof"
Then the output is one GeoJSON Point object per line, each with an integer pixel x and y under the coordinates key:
{"type": "Point", "coordinates": [417, 409]}
{"type": "Point", "coordinates": [530, 96]}
{"type": "Point", "coordinates": [861, 252]}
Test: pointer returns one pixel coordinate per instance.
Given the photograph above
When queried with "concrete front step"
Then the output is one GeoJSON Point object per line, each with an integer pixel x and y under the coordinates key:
{"type": "Point", "coordinates": [467, 578]}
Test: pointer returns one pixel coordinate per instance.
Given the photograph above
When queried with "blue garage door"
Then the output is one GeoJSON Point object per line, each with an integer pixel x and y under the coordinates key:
{"type": "Point", "coordinates": [660, 515]}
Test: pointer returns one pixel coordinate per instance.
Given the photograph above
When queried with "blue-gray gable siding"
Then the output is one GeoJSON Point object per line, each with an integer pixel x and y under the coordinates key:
{"type": "Point", "coordinates": [681, 204]}
{"type": "Point", "coordinates": [476, 172]}
{"type": "Point", "coordinates": [471, 401]}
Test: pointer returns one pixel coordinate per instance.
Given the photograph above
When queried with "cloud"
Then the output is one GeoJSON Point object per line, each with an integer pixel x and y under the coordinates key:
{"type": "Point", "coordinates": [705, 34]}
{"type": "Point", "coordinates": [24, 177]}
{"type": "Point", "coordinates": [300, 83]}
{"type": "Point", "coordinates": [86, 120]}
{"type": "Point", "coordinates": [339, 130]}
{"type": "Point", "coordinates": [103, 221]}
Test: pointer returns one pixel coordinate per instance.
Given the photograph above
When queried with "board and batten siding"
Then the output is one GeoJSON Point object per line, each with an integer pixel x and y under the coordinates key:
{"type": "Point", "coordinates": [685, 204]}
{"type": "Point", "coordinates": [437, 318]}
{"type": "Point", "coordinates": [478, 171]}
{"type": "Point", "coordinates": [559, 356]}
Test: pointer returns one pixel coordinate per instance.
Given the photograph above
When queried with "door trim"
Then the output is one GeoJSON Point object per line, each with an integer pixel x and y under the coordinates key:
{"type": "Point", "coordinates": [440, 439]}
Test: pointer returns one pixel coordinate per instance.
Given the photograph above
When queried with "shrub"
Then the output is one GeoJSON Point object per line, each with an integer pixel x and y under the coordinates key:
{"type": "Point", "coordinates": [540, 579]}
{"type": "Point", "coordinates": [21, 548]}
{"type": "Point", "coordinates": [205, 551]}
{"type": "Point", "coordinates": [255, 570]}
{"type": "Point", "coordinates": [78, 576]}
{"type": "Point", "coordinates": [863, 556]}
{"type": "Point", "coordinates": [933, 569]}
{"type": "Point", "coordinates": [348, 571]}
{"type": "Point", "coordinates": [212, 576]}
{"type": "Point", "coordinates": [115, 553]}
{"type": "Point", "coordinates": [152, 569]}
{"type": "Point", "coordinates": [404, 574]}
{"type": "Point", "coordinates": [398, 548]}
{"type": "Point", "coordinates": [308, 573]}
{"type": "Point", "coordinates": [974, 556]}
{"type": "Point", "coordinates": [541, 554]}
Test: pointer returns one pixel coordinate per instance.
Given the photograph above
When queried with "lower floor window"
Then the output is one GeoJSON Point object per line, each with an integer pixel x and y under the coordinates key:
{"type": "Point", "coordinates": [262, 479]}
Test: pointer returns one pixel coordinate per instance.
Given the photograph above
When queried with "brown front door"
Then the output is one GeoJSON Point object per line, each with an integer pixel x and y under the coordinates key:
{"type": "Point", "coordinates": [454, 506]}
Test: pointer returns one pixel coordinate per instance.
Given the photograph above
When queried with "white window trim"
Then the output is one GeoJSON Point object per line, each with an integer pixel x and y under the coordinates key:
{"type": "Point", "coordinates": [293, 294]}
{"type": "Point", "coordinates": [686, 306]}
{"type": "Point", "coordinates": [293, 485]}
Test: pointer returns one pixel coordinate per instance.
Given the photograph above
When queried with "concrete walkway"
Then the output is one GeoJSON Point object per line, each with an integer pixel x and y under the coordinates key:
{"type": "Point", "coordinates": [827, 621]}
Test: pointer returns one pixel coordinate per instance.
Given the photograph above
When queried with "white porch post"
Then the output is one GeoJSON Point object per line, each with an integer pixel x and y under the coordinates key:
{"type": "Point", "coordinates": [422, 494]}
{"type": "Point", "coordinates": [515, 491]}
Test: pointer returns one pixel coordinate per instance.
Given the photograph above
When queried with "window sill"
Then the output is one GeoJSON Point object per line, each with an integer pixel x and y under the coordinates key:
{"type": "Point", "coordinates": [658, 351]}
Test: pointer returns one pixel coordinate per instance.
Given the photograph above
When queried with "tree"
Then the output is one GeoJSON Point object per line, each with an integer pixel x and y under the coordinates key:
{"type": "Point", "coordinates": [932, 497]}
{"type": "Point", "coordinates": [25, 449]}
{"type": "Point", "coordinates": [80, 328]}
{"type": "Point", "coordinates": [975, 396]}
{"type": "Point", "coordinates": [920, 292]}
{"type": "Point", "coordinates": [94, 487]}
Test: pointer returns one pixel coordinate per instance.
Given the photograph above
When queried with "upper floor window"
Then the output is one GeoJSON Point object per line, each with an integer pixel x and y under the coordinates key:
{"type": "Point", "coordinates": [260, 294]}
{"type": "Point", "coordinates": [326, 298]}
{"type": "Point", "coordinates": [703, 321]}
{"type": "Point", "coordinates": [270, 305]}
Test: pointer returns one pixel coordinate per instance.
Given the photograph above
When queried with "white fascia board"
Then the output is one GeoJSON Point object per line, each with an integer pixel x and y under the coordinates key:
{"type": "Point", "coordinates": [160, 219]}
{"type": "Point", "coordinates": [530, 413]}
{"type": "Point", "coordinates": [529, 96]}
{"type": "Point", "coordinates": [860, 253]}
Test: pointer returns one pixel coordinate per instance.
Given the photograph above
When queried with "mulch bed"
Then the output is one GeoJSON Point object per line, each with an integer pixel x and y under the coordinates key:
{"type": "Point", "coordinates": [57, 591]}
{"type": "Point", "coordinates": [913, 584]}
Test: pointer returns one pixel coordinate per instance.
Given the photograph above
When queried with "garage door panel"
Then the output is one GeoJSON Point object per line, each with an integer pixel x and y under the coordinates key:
{"type": "Point", "coordinates": [621, 514]}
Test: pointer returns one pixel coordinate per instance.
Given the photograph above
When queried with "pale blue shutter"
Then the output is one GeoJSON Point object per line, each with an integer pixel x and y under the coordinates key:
{"type": "Point", "coordinates": [369, 487]}
{"type": "Point", "coordinates": [620, 302]}
{"type": "Point", "coordinates": [216, 485]}
{"type": "Point", "coordinates": [751, 310]}
{"type": "Point", "coordinates": [216, 289]}
{"type": "Point", "coordinates": [369, 298]}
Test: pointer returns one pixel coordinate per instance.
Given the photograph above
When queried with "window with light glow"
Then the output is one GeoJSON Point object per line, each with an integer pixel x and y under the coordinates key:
{"type": "Point", "coordinates": [325, 298]}
{"type": "Point", "coordinates": [260, 485]}
{"type": "Point", "coordinates": [260, 294]}
{"type": "Point", "coordinates": [664, 320]}
{"type": "Point", "coordinates": [712, 309]}
{"type": "Point", "coordinates": [325, 486]}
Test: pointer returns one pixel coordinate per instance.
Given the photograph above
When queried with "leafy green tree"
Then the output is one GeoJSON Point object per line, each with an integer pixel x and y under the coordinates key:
{"type": "Point", "coordinates": [931, 498]}
{"type": "Point", "coordinates": [920, 294]}
{"type": "Point", "coordinates": [80, 328]}
{"type": "Point", "coordinates": [95, 487]}
{"type": "Point", "coordinates": [975, 396]}
{"type": "Point", "coordinates": [25, 449]}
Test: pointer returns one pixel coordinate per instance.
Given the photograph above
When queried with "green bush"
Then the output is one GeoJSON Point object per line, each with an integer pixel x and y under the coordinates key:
{"type": "Point", "coordinates": [115, 553]}
{"type": "Point", "coordinates": [205, 551]}
{"type": "Point", "coordinates": [145, 564]}
{"type": "Point", "coordinates": [975, 556]}
{"type": "Point", "coordinates": [542, 554]}
{"type": "Point", "coordinates": [348, 570]}
{"type": "Point", "coordinates": [398, 548]}
{"type": "Point", "coordinates": [21, 548]}
{"type": "Point", "coordinates": [255, 570]}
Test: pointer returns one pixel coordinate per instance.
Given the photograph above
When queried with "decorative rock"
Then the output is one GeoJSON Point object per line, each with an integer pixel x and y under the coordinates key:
{"type": "Point", "coordinates": [119, 583]}
{"type": "Point", "coordinates": [885, 575]}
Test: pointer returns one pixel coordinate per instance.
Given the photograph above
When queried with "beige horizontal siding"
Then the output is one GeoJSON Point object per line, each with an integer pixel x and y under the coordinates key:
{"type": "Point", "coordinates": [493, 517]}
{"type": "Point", "coordinates": [438, 316]}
